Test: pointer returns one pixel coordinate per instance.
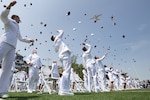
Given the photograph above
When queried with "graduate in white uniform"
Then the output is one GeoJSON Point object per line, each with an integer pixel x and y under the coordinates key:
{"type": "Point", "coordinates": [85, 78]}
{"type": "Point", "coordinates": [101, 72]}
{"type": "Point", "coordinates": [40, 82]}
{"type": "Point", "coordinates": [34, 62]}
{"type": "Point", "coordinates": [13, 77]}
{"type": "Point", "coordinates": [8, 42]}
{"type": "Point", "coordinates": [111, 78]}
{"type": "Point", "coordinates": [54, 70]}
{"type": "Point", "coordinates": [116, 79]}
{"type": "Point", "coordinates": [129, 82]}
{"type": "Point", "coordinates": [64, 56]}
{"type": "Point", "coordinates": [54, 74]}
{"type": "Point", "coordinates": [72, 79]}
{"type": "Point", "coordinates": [89, 63]}
{"type": "Point", "coordinates": [122, 81]}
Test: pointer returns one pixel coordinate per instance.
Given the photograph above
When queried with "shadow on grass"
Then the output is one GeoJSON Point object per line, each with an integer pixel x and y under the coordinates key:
{"type": "Point", "coordinates": [86, 93]}
{"type": "Point", "coordinates": [23, 97]}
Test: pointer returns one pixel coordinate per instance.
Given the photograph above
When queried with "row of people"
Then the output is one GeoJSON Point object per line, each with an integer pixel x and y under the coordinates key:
{"type": "Point", "coordinates": [100, 78]}
{"type": "Point", "coordinates": [8, 42]}
{"type": "Point", "coordinates": [111, 79]}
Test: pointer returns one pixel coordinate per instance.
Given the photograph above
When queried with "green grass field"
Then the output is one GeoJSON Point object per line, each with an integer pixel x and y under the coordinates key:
{"type": "Point", "coordinates": [142, 94]}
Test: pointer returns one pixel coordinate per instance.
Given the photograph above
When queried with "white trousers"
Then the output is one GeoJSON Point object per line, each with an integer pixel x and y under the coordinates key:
{"type": "Point", "coordinates": [102, 79]}
{"type": "Point", "coordinates": [33, 78]}
{"type": "Point", "coordinates": [65, 78]}
{"type": "Point", "coordinates": [85, 82]}
{"type": "Point", "coordinates": [91, 71]}
{"type": "Point", "coordinates": [7, 55]}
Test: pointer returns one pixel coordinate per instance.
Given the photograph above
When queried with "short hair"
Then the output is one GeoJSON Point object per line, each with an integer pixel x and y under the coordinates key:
{"type": "Point", "coordinates": [54, 61]}
{"type": "Point", "coordinates": [52, 38]}
{"type": "Point", "coordinates": [84, 49]}
{"type": "Point", "coordinates": [95, 57]}
{"type": "Point", "coordinates": [105, 65]}
{"type": "Point", "coordinates": [13, 16]}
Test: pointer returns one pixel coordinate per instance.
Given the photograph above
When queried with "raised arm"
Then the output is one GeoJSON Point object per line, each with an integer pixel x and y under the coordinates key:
{"type": "Point", "coordinates": [5, 13]}
{"type": "Point", "coordinates": [103, 57]}
{"type": "Point", "coordinates": [57, 40]}
{"type": "Point", "coordinates": [23, 39]}
{"type": "Point", "coordinates": [61, 32]}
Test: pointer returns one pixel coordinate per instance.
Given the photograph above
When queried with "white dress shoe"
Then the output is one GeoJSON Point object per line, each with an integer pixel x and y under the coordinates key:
{"type": "Point", "coordinates": [4, 95]}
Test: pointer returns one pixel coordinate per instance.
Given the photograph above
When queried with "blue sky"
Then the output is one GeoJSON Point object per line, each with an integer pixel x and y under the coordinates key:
{"type": "Point", "coordinates": [41, 19]}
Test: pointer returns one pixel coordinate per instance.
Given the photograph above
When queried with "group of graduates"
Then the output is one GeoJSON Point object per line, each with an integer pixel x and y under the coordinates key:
{"type": "Point", "coordinates": [94, 73]}
{"type": "Point", "coordinates": [31, 78]}
{"type": "Point", "coordinates": [111, 80]}
{"type": "Point", "coordinates": [101, 78]}
{"type": "Point", "coordinates": [107, 79]}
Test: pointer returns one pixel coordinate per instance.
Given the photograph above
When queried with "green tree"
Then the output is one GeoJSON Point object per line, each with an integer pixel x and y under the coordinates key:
{"type": "Point", "coordinates": [77, 67]}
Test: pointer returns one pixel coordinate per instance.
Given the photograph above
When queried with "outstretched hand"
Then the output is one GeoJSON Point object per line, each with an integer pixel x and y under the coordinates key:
{"type": "Point", "coordinates": [106, 53]}
{"type": "Point", "coordinates": [11, 4]}
{"type": "Point", "coordinates": [59, 31]}
{"type": "Point", "coordinates": [32, 42]}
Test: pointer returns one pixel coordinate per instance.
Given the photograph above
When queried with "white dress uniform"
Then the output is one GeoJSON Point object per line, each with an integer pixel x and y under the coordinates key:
{"type": "Point", "coordinates": [72, 79]}
{"type": "Point", "coordinates": [33, 71]}
{"type": "Point", "coordinates": [111, 78]}
{"type": "Point", "coordinates": [128, 82]}
{"type": "Point", "coordinates": [54, 70]}
{"type": "Point", "coordinates": [40, 82]}
{"type": "Point", "coordinates": [89, 63]}
{"type": "Point", "coordinates": [116, 79]}
{"type": "Point", "coordinates": [85, 78]}
{"type": "Point", "coordinates": [64, 56]}
{"type": "Point", "coordinates": [72, 76]}
{"type": "Point", "coordinates": [12, 75]}
{"type": "Point", "coordinates": [8, 42]}
{"type": "Point", "coordinates": [122, 81]}
{"type": "Point", "coordinates": [101, 73]}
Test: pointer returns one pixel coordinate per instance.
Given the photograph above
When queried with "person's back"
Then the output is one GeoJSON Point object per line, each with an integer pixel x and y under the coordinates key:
{"type": "Point", "coordinates": [64, 56]}
{"type": "Point", "coordinates": [59, 44]}
{"type": "Point", "coordinates": [87, 57]}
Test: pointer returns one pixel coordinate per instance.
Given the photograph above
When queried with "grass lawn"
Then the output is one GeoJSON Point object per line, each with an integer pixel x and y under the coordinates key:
{"type": "Point", "coordinates": [142, 94]}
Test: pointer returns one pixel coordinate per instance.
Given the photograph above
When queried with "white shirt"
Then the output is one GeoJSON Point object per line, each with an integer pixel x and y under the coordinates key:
{"type": "Point", "coordinates": [99, 63]}
{"type": "Point", "coordinates": [87, 58]}
{"type": "Point", "coordinates": [54, 70]}
{"type": "Point", "coordinates": [35, 60]}
{"type": "Point", "coordinates": [12, 32]}
{"type": "Point", "coordinates": [60, 46]}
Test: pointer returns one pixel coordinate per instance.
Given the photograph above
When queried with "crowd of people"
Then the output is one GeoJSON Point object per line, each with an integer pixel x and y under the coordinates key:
{"type": "Point", "coordinates": [101, 78]}
{"type": "Point", "coordinates": [97, 77]}
{"type": "Point", "coordinates": [106, 78]}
